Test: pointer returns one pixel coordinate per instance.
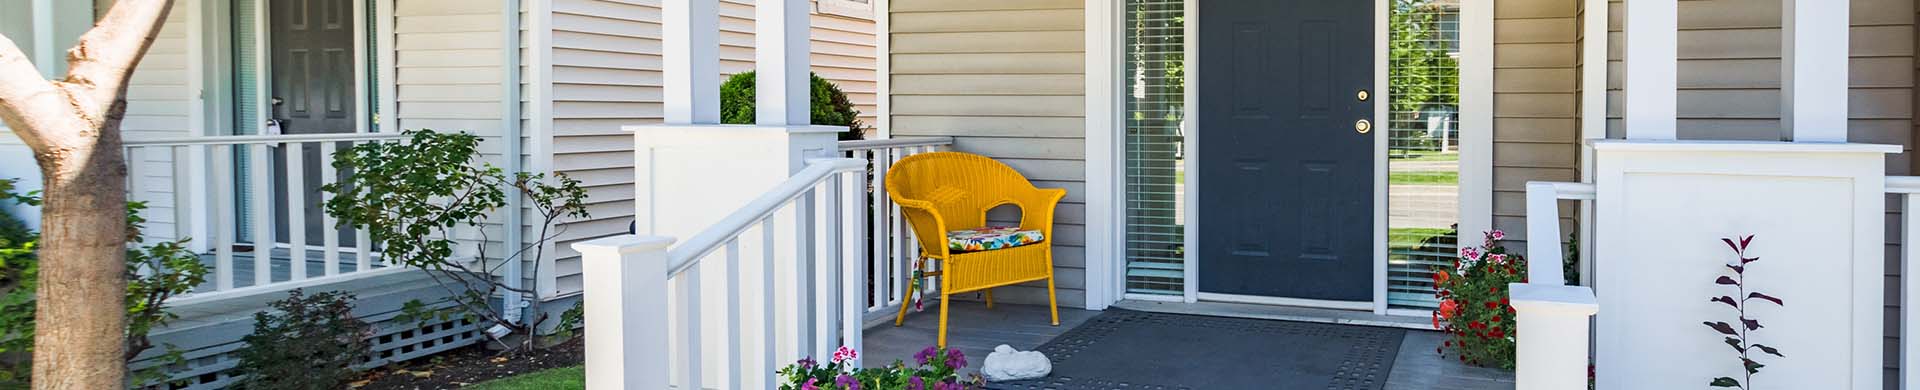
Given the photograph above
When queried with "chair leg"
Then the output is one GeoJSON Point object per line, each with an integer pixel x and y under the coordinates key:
{"type": "Point", "coordinates": [1053, 302]}
{"type": "Point", "coordinates": [989, 298]}
{"type": "Point", "coordinates": [943, 320]}
{"type": "Point", "coordinates": [906, 300]}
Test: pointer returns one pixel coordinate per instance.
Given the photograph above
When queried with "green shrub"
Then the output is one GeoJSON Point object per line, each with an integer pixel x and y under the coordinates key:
{"type": "Point", "coordinates": [829, 105]}
{"type": "Point", "coordinates": [155, 273]}
{"type": "Point", "coordinates": [306, 342]}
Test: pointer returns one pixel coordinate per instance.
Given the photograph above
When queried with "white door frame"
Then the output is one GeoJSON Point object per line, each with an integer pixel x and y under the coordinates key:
{"type": "Point", "coordinates": [1106, 185]}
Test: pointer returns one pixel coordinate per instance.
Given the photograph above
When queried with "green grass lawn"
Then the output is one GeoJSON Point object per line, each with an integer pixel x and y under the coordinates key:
{"type": "Point", "coordinates": [1411, 237]}
{"type": "Point", "coordinates": [559, 378]}
{"type": "Point", "coordinates": [1424, 177]}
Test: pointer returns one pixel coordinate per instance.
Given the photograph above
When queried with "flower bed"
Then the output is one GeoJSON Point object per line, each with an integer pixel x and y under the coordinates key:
{"type": "Point", "coordinates": [938, 370]}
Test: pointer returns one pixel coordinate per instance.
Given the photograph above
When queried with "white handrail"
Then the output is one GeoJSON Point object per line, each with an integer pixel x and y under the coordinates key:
{"type": "Point", "coordinates": [689, 252]}
{"type": "Point", "coordinates": [260, 139]}
{"type": "Point", "coordinates": [1552, 317]}
{"type": "Point", "coordinates": [890, 143]}
{"type": "Point", "coordinates": [1543, 226]}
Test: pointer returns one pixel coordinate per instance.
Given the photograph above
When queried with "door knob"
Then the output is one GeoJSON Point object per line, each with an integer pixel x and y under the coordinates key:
{"type": "Point", "coordinates": [1363, 126]}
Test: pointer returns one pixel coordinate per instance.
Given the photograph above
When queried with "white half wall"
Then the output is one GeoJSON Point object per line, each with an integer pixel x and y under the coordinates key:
{"type": "Point", "coordinates": [1816, 211]}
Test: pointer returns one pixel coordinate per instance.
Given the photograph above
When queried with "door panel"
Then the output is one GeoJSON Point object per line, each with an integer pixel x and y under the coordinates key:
{"type": "Point", "coordinates": [1287, 204]}
{"type": "Point", "coordinates": [312, 66]}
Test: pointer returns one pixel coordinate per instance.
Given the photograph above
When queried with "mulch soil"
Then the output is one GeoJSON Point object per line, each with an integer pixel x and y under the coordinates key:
{"type": "Point", "coordinates": [470, 365]}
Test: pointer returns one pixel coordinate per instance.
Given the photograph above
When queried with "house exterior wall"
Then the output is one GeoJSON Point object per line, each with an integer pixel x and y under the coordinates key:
{"type": "Point", "coordinates": [447, 77]}
{"type": "Point", "coordinates": [1005, 78]}
{"type": "Point", "coordinates": [606, 73]}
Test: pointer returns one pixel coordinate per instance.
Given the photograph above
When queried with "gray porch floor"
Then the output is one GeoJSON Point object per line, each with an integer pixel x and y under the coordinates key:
{"type": "Point", "coordinates": [975, 330]}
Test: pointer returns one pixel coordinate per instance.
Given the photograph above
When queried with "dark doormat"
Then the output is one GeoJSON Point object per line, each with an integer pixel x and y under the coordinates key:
{"type": "Point", "coordinates": [1123, 349]}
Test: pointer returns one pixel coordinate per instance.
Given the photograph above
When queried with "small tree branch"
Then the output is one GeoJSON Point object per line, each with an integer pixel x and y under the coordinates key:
{"type": "Point", "coordinates": [100, 64]}
{"type": "Point", "coordinates": [29, 104]}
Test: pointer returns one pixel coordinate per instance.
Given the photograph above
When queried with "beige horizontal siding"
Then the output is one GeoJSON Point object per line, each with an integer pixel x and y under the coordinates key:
{"type": "Point", "coordinates": [1535, 106]}
{"type": "Point", "coordinates": [447, 59]}
{"type": "Point", "coordinates": [606, 73]}
{"type": "Point", "coordinates": [1007, 80]}
{"type": "Point", "coordinates": [158, 105]}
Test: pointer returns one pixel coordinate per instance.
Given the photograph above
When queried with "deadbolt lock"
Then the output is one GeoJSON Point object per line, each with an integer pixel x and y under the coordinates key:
{"type": "Point", "coordinates": [1363, 95]}
{"type": "Point", "coordinates": [1363, 126]}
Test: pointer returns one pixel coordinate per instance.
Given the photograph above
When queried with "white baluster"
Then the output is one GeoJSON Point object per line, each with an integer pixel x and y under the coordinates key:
{"type": "Point", "coordinates": [852, 260]}
{"type": "Point", "coordinates": [803, 270]}
{"type": "Point", "coordinates": [887, 267]}
{"type": "Point", "coordinates": [223, 218]}
{"type": "Point", "coordinates": [260, 171]}
{"type": "Point", "coordinates": [362, 245]}
{"type": "Point", "coordinates": [875, 203]}
{"type": "Point", "coordinates": [625, 280]}
{"type": "Point", "coordinates": [296, 210]}
{"type": "Point", "coordinates": [687, 310]}
{"type": "Point", "coordinates": [826, 261]}
{"type": "Point", "coordinates": [329, 231]}
{"type": "Point", "coordinates": [769, 344]}
{"type": "Point", "coordinates": [734, 289]}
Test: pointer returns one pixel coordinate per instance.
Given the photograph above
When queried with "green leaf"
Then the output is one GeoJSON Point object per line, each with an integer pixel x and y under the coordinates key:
{"type": "Point", "coordinates": [1768, 350]}
{"type": "Point", "coordinates": [1725, 382]}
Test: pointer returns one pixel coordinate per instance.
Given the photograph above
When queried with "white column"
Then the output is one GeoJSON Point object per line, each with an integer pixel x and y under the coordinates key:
{"type": "Point", "coordinates": [1652, 45]}
{"type": "Point", "coordinates": [1813, 70]}
{"type": "Point", "coordinates": [1552, 336]}
{"type": "Point", "coordinates": [626, 297]}
{"type": "Point", "coordinates": [781, 33]}
{"type": "Point", "coordinates": [691, 51]}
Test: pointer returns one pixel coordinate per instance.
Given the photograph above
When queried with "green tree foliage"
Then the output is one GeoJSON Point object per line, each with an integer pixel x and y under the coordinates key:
{"type": "Point", "coordinates": [1421, 70]}
{"type": "Point", "coordinates": [155, 273]}
{"type": "Point", "coordinates": [305, 342]}
{"type": "Point", "coordinates": [829, 105]}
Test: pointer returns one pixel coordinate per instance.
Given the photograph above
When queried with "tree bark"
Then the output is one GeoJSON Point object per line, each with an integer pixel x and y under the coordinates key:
{"type": "Point", "coordinates": [73, 127]}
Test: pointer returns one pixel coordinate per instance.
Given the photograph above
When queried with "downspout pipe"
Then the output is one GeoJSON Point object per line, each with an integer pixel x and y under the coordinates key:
{"type": "Point", "coordinates": [512, 303]}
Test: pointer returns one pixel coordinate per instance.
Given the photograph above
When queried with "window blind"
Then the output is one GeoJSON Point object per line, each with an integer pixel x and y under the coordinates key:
{"type": "Point", "coordinates": [1155, 168]}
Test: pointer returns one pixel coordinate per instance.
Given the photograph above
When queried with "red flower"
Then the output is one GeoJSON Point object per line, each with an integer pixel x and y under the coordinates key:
{"type": "Point", "coordinates": [1491, 305]}
{"type": "Point", "coordinates": [1493, 290]}
{"type": "Point", "coordinates": [1496, 318]}
{"type": "Point", "coordinates": [1497, 333]}
{"type": "Point", "coordinates": [1475, 325]}
{"type": "Point", "coordinates": [1448, 308]}
{"type": "Point", "coordinates": [1440, 277]}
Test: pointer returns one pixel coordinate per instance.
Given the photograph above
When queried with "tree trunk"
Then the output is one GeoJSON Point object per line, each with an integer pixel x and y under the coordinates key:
{"type": "Point", "coordinates": [80, 341]}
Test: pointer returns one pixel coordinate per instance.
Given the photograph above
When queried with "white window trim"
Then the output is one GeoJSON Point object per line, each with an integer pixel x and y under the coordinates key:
{"type": "Point", "coordinates": [1106, 285]}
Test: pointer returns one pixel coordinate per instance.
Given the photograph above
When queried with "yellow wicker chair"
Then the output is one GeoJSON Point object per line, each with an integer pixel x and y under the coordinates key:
{"type": "Point", "coordinates": [943, 192]}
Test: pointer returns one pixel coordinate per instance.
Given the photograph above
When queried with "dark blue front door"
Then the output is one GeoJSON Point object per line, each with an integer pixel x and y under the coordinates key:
{"type": "Point", "coordinates": [1286, 175]}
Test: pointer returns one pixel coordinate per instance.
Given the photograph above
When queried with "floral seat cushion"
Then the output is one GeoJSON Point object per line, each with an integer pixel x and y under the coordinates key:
{"type": "Point", "coordinates": [991, 238]}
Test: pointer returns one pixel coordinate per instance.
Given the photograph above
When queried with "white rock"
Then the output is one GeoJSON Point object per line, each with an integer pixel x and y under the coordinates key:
{"type": "Point", "coordinates": [1007, 364]}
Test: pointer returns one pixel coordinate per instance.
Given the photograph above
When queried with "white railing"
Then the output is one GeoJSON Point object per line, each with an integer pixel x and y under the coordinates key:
{"type": "Point", "coordinates": [204, 188]}
{"type": "Point", "coordinates": [1553, 335]}
{"type": "Point", "coordinates": [891, 245]}
{"type": "Point", "coordinates": [806, 299]}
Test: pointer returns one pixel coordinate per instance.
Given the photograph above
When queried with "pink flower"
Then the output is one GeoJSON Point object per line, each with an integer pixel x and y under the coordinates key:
{"type": "Point", "coordinates": [845, 354]}
{"type": "Point", "coordinates": [1497, 258]}
{"type": "Point", "coordinates": [1496, 235]}
{"type": "Point", "coordinates": [1470, 253]}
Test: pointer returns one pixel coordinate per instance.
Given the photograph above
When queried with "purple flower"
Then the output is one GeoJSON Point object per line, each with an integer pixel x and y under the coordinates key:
{"type": "Point", "coordinates": [809, 385]}
{"type": "Point", "coordinates": [915, 383]}
{"type": "Point", "coordinates": [807, 363]}
{"type": "Point", "coordinates": [847, 382]}
{"type": "Point", "coordinates": [926, 355]}
{"type": "Point", "coordinates": [956, 359]}
{"type": "Point", "coordinates": [948, 386]}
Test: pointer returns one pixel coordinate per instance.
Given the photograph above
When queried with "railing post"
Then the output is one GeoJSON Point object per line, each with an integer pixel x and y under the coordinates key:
{"type": "Point", "coordinates": [625, 280]}
{"type": "Point", "coordinates": [1543, 233]}
{"type": "Point", "coordinates": [1552, 335]}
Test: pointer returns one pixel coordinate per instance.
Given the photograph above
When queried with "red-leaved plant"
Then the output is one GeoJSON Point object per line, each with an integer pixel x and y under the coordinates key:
{"type": "Point", "coordinates": [1737, 337]}
{"type": "Point", "coordinates": [1474, 309]}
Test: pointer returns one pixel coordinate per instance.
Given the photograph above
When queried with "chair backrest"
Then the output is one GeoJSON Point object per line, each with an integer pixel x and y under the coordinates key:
{"type": "Point", "coordinates": [961, 186]}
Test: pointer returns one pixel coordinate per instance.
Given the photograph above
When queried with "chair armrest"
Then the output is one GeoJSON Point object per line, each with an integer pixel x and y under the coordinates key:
{"type": "Point", "coordinates": [927, 224]}
{"type": "Point", "coordinates": [1037, 209]}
